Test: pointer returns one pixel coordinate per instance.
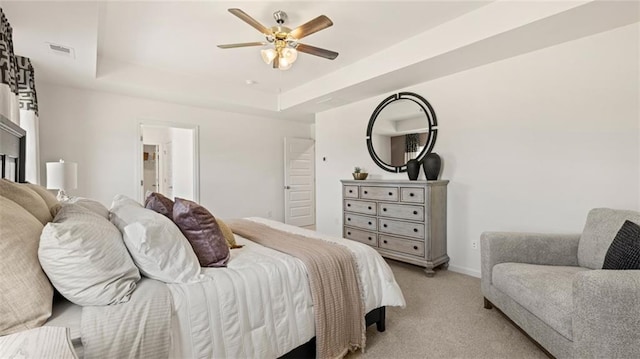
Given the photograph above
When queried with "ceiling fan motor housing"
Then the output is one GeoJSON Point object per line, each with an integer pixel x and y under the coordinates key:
{"type": "Point", "coordinates": [280, 16]}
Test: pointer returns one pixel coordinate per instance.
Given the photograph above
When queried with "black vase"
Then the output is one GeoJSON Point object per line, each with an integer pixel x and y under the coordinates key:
{"type": "Point", "coordinates": [432, 164]}
{"type": "Point", "coordinates": [413, 169]}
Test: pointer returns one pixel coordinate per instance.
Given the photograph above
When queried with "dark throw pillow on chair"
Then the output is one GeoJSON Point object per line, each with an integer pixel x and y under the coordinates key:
{"type": "Point", "coordinates": [202, 231]}
{"type": "Point", "coordinates": [624, 252]}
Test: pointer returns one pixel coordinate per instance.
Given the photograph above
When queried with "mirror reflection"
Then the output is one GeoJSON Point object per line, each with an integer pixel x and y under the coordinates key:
{"type": "Point", "coordinates": [400, 132]}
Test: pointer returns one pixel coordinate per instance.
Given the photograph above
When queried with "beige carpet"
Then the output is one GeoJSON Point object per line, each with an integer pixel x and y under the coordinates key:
{"type": "Point", "coordinates": [444, 318]}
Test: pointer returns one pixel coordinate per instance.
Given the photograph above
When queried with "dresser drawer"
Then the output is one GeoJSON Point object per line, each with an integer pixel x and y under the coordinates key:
{"type": "Point", "coordinates": [402, 211]}
{"type": "Point", "coordinates": [360, 207]}
{"type": "Point", "coordinates": [408, 229]}
{"type": "Point", "coordinates": [370, 238]}
{"type": "Point", "coordinates": [365, 222]}
{"type": "Point", "coordinates": [413, 195]}
{"type": "Point", "coordinates": [407, 246]}
{"type": "Point", "coordinates": [379, 193]}
{"type": "Point", "coordinates": [350, 191]}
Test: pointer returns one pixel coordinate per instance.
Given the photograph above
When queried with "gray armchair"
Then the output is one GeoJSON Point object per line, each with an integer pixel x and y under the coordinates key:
{"type": "Point", "coordinates": [552, 288]}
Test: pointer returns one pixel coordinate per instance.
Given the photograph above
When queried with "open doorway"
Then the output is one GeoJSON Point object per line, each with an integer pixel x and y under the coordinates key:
{"type": "Point", "coordinates": [168, 160]}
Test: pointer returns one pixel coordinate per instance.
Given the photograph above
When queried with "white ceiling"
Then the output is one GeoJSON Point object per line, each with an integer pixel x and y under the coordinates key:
{"type": "Point", "coordinates": [167, 50]}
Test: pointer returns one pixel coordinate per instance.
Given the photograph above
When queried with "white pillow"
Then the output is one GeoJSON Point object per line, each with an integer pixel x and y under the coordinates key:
{"type": "Point", "coordinates": [84, 257]}
{"type": "Point", "coordinates": [156, 244]}
{"type": "Point", "coordinates": [90, 204]}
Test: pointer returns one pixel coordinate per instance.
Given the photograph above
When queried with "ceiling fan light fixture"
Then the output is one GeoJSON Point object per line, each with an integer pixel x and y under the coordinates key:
{"type": "Point", "coordinates": [290, 54]}
{"type": "Point", "coordinates": [284, 64]}
{"type": "Point", "coordinates": [268, 55]}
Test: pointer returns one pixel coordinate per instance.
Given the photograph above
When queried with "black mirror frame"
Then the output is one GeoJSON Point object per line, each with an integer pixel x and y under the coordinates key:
{"type": "Point", "coordinates": [431, 139]}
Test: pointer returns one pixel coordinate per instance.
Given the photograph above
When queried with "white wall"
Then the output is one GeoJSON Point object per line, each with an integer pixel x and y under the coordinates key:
{"type": "Point", "coordinates": [241, 156]}
{"type": "Point", "coordinates": [530, 143]}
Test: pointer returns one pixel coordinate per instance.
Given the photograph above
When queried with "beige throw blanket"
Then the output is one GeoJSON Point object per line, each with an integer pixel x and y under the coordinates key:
{"type": "Point", "coordinates": [335, 287]}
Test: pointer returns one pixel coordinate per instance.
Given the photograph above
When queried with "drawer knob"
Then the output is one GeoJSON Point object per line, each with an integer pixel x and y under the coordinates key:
{"type": "Point", "coordinates": [349, 233]}
{"type": "Point", "coordinates": [390, 193]}
{"type": "Point", "coordinates": [348, 204]}
{"type": "Point", "coordinates": [411, 194]}
{"type": "Point", "coordinates": [350, 191]}
{"type": "Point", "coordinates": [415, 247]}
{"type": "Point", "coordinates": [385, 241]}
{"type": "Point", "coordinates": [365, 192]}
{"type": "Point", "coordinates": [370, 223]}
{"type": "Point", "coordinates": [384, 225]}
{"type": "Point", "coordinates": [369, 207]}
{"type": "Point", "coordinates": [415, 212]}
{"type": "Point", "coordinates": [348, 219]}
{"type": "Point", "coordinates": [369, 238]}
{"type": "Point", "coordinates": [415, 230]}
{"type": "Point", "coordinates": [384, 210]}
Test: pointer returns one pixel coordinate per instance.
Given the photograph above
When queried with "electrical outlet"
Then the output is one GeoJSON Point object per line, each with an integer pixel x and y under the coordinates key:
{"type": "Point", "coordinates": [474, 244]}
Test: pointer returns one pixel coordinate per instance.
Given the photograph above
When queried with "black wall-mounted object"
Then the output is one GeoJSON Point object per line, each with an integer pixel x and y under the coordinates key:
{"type": "Point", "coordinates": [432, 124]}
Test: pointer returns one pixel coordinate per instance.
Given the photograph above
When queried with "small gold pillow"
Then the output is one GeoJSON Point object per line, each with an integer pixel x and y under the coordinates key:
{"type": "Point", "coordinates": [48, 197]}
{"type": "Point", "coordinates": [228, 234]}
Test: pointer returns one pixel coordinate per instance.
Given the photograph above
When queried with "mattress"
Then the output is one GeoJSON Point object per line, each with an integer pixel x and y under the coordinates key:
{"type": "Point", "coordinates": [261, 305]}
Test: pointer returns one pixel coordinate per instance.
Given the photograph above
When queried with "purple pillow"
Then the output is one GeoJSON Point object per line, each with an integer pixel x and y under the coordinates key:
{"type": "Point", "coordinates": [159, 203]}
{"type": "Point", "coordinates": [202, 231]}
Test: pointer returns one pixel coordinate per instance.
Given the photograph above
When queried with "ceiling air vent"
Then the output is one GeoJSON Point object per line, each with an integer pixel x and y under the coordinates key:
{"type": "Point", "coordinates": [61, 50]}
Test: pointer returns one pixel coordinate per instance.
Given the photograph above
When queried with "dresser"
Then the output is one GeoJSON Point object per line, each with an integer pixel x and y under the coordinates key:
{"type": "Point", "coordinates": [403, 220]}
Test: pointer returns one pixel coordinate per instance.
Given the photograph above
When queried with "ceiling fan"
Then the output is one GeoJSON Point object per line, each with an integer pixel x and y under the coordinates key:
{"type": "Point", "coordinates": [285, 41]}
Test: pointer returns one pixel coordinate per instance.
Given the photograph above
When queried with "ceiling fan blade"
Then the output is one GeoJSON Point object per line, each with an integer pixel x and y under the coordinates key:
{"type": "Point", "coordinates": [249, 20]}
{"type": "Point", "coordinates": [313, 26]}
{"type": "Point", "coordinates": [312, 50]}
{"type": "Point", "coordinates": [242, 44]}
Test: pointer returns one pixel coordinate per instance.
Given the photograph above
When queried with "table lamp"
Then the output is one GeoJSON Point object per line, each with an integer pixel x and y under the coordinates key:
{"type": "Point", "coordinates": [62, 176]}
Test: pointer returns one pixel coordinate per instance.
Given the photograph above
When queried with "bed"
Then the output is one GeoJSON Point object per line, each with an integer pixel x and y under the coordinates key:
{"type": "Point", "coordinates": [260, 305]}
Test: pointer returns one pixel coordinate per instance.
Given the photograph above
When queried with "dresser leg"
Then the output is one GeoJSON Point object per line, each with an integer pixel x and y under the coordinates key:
{"type": "Point", "coordinates": [444, 265]}
{"type": "Point", "coordinates": [429, 272]}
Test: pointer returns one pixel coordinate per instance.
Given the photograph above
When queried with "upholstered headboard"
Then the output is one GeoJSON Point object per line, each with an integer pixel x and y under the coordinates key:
{"type": "Point", "coordinates": [12, 150]}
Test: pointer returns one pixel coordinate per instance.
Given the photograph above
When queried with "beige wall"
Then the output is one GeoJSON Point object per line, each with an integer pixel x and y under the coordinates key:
{"type": "Point", "coordinates": [241, 156]}
{"type": "Point", "coordinates": [530, 143]}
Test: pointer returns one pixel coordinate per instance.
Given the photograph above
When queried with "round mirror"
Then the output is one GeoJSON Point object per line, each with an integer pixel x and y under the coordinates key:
{"type": "Point", "coordinates": [402, 127]}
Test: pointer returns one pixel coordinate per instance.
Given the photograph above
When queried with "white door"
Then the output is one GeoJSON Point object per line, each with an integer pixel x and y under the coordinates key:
{"type": "Point", "coordinates": [299, 182]}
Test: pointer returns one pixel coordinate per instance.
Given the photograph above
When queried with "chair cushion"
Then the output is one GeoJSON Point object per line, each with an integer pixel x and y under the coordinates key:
{"type": "Point", "coordinates": [601, 228]}
{"type": "Point", "coordinates": [545, 291]}
{"type": "Point", "coordinates": [624, 252]}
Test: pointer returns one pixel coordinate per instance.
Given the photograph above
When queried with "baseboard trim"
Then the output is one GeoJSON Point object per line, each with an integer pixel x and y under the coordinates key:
{"type": "Point", "coordinates": [464, 270]}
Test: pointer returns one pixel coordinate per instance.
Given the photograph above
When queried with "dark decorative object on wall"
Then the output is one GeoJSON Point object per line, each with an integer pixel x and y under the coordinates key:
{"type": "Point", "coordinates": [413, 169]}
{"type": "Point", "coordinates": [417, 129]}
{"type": "Point", "coordinates": [432, 164]}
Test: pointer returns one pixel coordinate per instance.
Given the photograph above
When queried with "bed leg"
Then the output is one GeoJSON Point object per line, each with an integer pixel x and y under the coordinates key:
{"type": "Point", "coordinates": [380, 324]}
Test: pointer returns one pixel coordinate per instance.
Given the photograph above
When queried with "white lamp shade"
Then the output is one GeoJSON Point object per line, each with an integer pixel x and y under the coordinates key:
{"type": "Point", "coordinates": [62, 175]}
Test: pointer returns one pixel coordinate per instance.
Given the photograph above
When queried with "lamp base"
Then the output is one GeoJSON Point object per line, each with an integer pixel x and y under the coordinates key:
{"type": "Point", "coordinates": [62, 196]}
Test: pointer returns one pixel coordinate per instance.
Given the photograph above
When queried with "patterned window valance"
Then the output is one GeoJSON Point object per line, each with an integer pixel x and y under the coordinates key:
{"type": "Point", "coordinates": [26, 85]}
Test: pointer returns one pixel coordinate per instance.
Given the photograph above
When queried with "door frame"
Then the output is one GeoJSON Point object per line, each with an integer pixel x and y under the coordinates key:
{"type": "Point", "coordinates": [139, 153]}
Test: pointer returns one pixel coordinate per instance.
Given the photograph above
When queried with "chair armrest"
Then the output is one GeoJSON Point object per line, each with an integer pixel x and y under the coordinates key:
{"type": "Point", "coordinates": [606, 317]}
{"type": "Point", "coordinates": [533, 248]}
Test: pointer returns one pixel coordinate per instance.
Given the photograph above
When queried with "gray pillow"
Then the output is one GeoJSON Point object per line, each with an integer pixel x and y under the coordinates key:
{"type": "Point", "coordinates": [155, 243]}
{"type": "Point", "coordinates": [85, 258]}
{"type": "Point", "coordinates": [90, 204]}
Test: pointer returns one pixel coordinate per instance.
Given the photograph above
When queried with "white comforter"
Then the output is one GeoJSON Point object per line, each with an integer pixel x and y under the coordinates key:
{"type": "Point", "coordinates": [260, 305]}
